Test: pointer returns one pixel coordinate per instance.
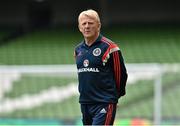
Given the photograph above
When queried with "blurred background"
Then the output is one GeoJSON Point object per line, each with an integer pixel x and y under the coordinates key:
{"type": "Point", "coordinates": [38, 81]}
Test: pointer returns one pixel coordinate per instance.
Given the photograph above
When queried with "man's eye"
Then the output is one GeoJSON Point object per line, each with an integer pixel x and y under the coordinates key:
{"type": "Point", "coordinates": [90, 23]}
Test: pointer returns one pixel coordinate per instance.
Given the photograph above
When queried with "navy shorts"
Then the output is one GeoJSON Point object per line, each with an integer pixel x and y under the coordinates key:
{"type": "Point", "coordinates": [98, 114]}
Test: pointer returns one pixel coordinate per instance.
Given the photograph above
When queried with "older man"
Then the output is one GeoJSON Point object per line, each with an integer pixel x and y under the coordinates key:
{"type": "Point", "coordinates": [101, 72]}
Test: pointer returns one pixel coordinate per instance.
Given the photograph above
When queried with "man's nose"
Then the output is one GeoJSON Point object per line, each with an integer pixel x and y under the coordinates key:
{"type": "Point", "coordinates": [87, 25]}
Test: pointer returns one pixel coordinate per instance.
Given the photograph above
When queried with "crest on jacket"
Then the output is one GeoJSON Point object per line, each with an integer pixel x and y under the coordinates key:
{"type": "Point", "coordinates": [97, 52]}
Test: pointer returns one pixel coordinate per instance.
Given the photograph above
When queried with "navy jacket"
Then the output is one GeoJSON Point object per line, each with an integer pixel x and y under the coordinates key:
{"type": "Point", "coordinates": [101, 72]}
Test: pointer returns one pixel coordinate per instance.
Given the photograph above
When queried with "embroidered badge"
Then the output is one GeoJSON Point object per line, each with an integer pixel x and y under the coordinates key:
{"type": "Point", "coordinates": [97, 52]}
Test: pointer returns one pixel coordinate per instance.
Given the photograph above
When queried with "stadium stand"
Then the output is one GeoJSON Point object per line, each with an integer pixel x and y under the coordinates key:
{"type": "Point", "coordinates": [50, 96]}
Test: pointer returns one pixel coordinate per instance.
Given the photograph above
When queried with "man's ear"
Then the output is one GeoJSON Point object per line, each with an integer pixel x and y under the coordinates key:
{"type": "Point", "coordinates": [80, 29]}
{"type": "Point", "coordinates": [99, 26]}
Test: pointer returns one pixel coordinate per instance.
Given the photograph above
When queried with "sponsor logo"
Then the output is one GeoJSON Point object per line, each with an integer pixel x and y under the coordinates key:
{"type": "Point", "coordinates": [97, 52]}
{"type": "Point", "coordinates": [88, 70]}
{"type": "Point", "coordinates": [86, 63]}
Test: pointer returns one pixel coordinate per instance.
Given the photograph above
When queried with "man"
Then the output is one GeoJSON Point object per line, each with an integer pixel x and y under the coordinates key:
{"type": "Point", "coordinates": [101, 72]}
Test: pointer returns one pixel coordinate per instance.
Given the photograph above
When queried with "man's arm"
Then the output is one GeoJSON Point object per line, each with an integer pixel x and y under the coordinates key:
{"type": "Point", "coordinates": [120, 72]}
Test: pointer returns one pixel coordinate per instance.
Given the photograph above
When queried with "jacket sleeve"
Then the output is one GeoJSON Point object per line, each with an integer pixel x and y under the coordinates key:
{"type": "Point", "coordinates": [119, 71]}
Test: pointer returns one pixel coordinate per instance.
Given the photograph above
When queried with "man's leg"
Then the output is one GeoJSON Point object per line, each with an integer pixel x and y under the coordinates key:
{"type": "Point", "coordinates": [86, 117]}
{"type": "Point", "coordinates": [105, 115]}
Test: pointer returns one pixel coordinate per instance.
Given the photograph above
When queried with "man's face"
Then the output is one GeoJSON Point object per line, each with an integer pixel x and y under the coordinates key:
{"type": "Point", "coordinates": [88, 26]}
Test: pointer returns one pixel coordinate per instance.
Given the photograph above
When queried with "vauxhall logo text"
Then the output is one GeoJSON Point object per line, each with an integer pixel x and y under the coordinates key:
{"type": "Point", "coordinates": [88, 70]}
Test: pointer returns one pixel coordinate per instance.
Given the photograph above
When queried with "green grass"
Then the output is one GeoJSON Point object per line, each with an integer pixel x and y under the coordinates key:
{"type": "Point", "coordinates": [159, 44]}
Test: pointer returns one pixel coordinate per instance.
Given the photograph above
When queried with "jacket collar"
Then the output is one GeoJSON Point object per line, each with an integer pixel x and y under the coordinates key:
{"type": "Point", "coordinates": [94, 43]}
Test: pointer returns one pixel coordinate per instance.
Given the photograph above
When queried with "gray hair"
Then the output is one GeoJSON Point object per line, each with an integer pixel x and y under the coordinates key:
{"type": "Point", "coordinates": [90, 13]}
